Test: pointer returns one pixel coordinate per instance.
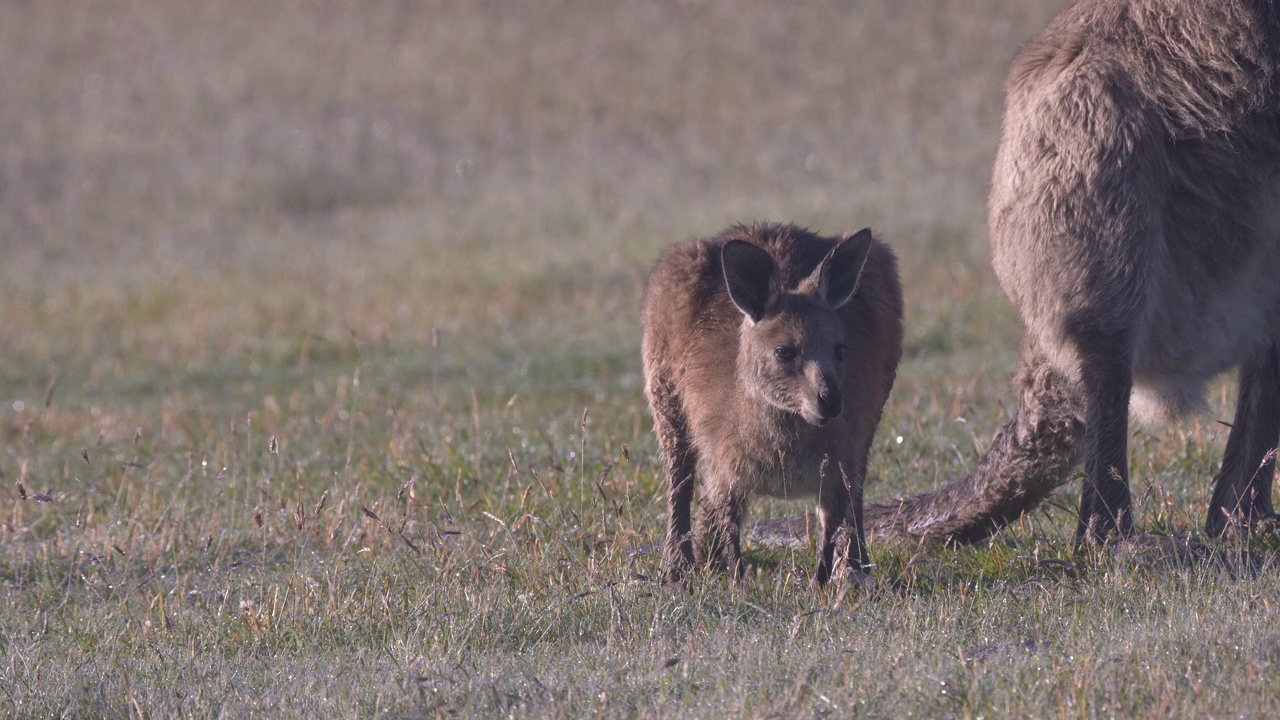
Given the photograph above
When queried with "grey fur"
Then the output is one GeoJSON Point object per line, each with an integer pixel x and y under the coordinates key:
{"type": "Point", "coordinates": [729, 409]}
{"type": "Point", "coordinates": [1135, 223]}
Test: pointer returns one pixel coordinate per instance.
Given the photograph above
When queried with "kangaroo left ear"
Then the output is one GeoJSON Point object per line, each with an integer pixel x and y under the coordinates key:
{"type": "Point", "coordinates": [752, 278]}
{"type": "Point", "coordinates": [839, 272]}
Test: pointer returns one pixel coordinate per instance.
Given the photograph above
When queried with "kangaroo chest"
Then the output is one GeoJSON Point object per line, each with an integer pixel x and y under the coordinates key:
{"type": "Point", "coordinates": [782, 464]}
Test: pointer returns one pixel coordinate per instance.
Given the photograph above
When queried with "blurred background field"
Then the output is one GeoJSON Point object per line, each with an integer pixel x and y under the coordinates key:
{"type": "Point", "coordinates": [319, 374]}
{"type": "Point", "coordinates": [385, 170]}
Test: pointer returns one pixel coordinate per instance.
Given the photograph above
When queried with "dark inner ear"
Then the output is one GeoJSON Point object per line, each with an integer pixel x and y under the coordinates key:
{"type": "Point", "coordinates": [751, 276]}
{"type": "Point", "coordinates": [842, 269]}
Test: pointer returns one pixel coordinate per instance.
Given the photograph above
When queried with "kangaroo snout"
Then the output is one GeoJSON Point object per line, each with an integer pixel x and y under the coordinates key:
{"type": "Point", "coordinates": [829, 404]}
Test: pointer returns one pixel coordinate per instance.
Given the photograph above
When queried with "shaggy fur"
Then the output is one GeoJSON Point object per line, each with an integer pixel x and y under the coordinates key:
{"type": "Point", "coordinates": [1135, 223]}
{"type": "Point", "coordinates": [744, 336]}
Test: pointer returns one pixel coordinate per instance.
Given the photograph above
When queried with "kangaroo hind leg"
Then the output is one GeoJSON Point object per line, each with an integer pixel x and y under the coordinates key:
{"type": "Point", "coordinates": [843, 546]}
{"type": "Point", "coordinates": [679, 458]}
{"type": "Point", "coordinates": [1106, 508]}
{"type": "Point", "coordinates": [1242, 488]}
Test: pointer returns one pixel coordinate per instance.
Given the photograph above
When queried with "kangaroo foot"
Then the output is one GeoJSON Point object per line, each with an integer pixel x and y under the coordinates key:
{"type": "Point", "coordinates": [1263, 524]}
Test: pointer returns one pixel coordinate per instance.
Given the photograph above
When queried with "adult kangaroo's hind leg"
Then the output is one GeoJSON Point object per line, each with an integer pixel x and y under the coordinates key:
{"type": "Point", "coordinates": [1242, 489]}
{"type": "Point", "coordinates": [1106, 508]}
{"type": "Point", "coordinates": [679, 459]}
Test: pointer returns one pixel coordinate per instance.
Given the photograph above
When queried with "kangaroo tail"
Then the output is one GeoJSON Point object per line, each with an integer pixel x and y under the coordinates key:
{"type": "Point", "coordinates": [1028, 459]}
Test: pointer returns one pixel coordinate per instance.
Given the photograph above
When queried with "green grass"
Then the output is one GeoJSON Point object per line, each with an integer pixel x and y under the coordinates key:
{"type": "Point", "coordinates": [320, 390]}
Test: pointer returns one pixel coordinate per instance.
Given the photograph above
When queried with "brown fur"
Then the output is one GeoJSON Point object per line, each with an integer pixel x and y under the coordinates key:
{"type": "Point", "coordinates": [726, 408]}
{"type": "Point", "coordinates": [1135, 223]}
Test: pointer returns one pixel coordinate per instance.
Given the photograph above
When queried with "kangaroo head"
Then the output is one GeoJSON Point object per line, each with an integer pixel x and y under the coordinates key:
{"type": "Point", "coordinates": [791, 345]}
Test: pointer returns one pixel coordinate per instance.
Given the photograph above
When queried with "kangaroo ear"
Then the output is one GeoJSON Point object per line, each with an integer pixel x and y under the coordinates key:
{"type": "Point", "coordinates": [752, 277]}
{"type": "Point", "coordinates": [839, 272]}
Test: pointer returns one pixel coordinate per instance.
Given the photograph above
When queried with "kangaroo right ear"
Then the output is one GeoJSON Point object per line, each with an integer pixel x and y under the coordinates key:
{"type": "Point", "coordinates": [752, 278]}
{"type": "Point", "coordinates": [840, 271]}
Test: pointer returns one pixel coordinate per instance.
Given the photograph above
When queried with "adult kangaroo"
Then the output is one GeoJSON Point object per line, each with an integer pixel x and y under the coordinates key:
{"type": "Point", "coordinates": [769, 352]}
{"type": "Point", "coordinates": [1134, 221]}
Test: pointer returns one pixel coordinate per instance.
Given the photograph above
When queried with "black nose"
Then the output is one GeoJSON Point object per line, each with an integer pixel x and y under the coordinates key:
{"type": "Point", "coordinates": [829, 403]}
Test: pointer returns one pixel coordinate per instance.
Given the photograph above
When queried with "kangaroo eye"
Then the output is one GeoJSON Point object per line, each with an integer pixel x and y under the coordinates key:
{"type": "Point", "coordinates": [840, 352]}
{"type": "Point", "coordinates": [785, 353]}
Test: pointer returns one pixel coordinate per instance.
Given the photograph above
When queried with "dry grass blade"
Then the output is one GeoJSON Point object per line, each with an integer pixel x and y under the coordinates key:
{"type": "Point", "coordinates": [407, 487]}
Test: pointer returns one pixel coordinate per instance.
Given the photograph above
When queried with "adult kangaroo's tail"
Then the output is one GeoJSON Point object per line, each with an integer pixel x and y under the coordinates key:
{"type": "Point", "coordinates": [1028, 459]}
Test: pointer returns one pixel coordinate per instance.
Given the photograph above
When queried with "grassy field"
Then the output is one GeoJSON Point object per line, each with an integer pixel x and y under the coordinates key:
{"type": "Point", "coordinates": [320, 391]}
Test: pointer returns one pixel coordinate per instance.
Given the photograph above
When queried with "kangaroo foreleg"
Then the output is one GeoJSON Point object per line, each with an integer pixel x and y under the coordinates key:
{"type": "Point", "coordinates": [719, 531]}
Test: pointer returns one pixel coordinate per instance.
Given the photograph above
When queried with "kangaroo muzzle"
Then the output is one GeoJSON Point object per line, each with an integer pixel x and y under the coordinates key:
{"type": "Point", "coordinates": [829, 403]}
